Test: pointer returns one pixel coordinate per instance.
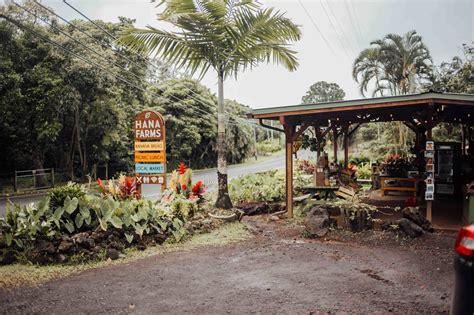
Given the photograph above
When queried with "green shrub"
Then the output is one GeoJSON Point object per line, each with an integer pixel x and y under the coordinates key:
{"type": "Point", "coordinates": [364, 171]}
{"type": "Point", "coordinates": [23, 225]}
{"type": "Point", "coordinates": [266, 186]}
{"type": "Point", "coordinates": [268, 146]}
{"type": "Point", "coordinates": [58, 194]}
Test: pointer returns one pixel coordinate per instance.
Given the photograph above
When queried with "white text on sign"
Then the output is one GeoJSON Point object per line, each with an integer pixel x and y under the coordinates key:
{"type": "Point", "coordinates": [149, 146]}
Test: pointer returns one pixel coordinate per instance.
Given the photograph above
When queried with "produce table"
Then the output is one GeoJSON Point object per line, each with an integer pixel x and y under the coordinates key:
{"type": "Point", "coordinates": [402, 184]}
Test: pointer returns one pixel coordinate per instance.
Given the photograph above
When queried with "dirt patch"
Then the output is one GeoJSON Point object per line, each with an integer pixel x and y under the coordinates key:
{"type": "Point", "coordinates": [278, 271]}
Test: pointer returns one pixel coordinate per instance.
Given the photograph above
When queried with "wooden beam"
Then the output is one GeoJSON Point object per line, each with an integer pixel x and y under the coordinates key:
{"type": "Point", "coordinates": [300, 131]}
{"type": "Point", "coordinates": [289, 136]}
{"type": "Point", "coordinates": [335, 134]}
{"type": "Point", "coordinates": [347, 108]}
{"type": "Point", "coordinates": [353, 130]}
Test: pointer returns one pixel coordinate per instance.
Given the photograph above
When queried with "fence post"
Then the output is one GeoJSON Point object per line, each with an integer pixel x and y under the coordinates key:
{"type": "Point", "coordinates": [34, 178]}
{"type": "Point", "coordinates": [15, 184]}
{"type": "Point", "coordinates": [52, 177]}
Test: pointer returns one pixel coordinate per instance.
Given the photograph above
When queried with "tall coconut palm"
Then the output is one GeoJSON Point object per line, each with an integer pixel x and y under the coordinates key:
{"type": "Point", "coordinates": [395, 64]}
{"type": "Point", "coordinates": [226, 36]}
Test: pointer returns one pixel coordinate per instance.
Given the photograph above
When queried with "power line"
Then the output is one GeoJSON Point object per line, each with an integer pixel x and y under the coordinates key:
{"type": "Point", "coordinates": [335, 30]}
{"type": "Point", "coordinates": [316, 26]}
{"type": "Point", "coordinates": [113, 37]}
{"type": "Point", "coordinates": [341, 26]}
{"type": "Point", "coordinates": [69, 51]}
{"type": "Point", "coordinates": [359, 23]}
{"type": "Point", "coordinates": [358, 36]}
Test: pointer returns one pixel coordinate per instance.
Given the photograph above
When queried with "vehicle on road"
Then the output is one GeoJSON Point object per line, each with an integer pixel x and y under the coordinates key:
{"type": "Point", "coordinates": [463, 297]}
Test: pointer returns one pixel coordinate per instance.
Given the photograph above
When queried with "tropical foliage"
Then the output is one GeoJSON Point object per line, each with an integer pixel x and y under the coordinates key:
{"type": "Point", "coordinates": [60, 109]}
{"type": "Point", "coordinates": [268, 186]}
{"type": "Point", "coordinates": [69, 210]}
{"type": "Point", "coordinates": [226, 36]}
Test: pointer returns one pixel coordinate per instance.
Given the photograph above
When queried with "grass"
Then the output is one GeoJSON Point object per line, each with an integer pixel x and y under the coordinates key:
{"type": "Point", "coordinates": [16, 275]}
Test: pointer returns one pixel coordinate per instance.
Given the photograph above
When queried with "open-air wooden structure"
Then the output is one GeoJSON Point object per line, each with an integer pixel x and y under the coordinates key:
{"type": "Point", "coordinates": [419, 112]}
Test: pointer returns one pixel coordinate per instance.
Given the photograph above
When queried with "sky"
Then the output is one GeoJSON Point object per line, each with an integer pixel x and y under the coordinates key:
{"type": "Point", "coordinates": [333, 33]}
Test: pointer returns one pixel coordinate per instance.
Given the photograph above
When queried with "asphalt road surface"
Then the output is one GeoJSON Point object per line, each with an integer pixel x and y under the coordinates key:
{"type": "Point", "coordinates": [208, 176]}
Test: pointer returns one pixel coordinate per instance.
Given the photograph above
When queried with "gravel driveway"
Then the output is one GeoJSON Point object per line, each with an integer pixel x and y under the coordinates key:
{"type": "Point", "coordinates": [272, 273]}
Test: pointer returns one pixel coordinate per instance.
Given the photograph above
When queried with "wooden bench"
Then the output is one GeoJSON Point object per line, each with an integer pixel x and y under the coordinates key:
{"type": "Point", "coordinates": [411, 188]}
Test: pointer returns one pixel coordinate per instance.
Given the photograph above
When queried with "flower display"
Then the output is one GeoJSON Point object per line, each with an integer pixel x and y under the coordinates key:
{"type": "Point", "coordinates": [122, 188]}
{"type": "Point", "coordinates": [181, 184]}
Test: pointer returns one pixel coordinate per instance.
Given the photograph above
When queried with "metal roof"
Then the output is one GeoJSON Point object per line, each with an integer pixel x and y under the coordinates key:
{"type": "Point", "coordinates": [287, 110]}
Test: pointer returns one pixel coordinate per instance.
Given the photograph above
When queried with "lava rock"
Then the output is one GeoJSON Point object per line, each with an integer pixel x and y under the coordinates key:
{"type": "Point", "coordinates": [317, 222]}
{"type": "Point", "coordinates": [7, 256]}
{"type": "Point", "coordinates": [414, 215]}
{"type": "Point", "coordinates": [117, 245]}
{"type": "Point", "coordinates": [60, 258]}
{"type": "Point", "coordinates": [98, 236]}
{"type": "Point", "coordinates": [65, 246]}
{"type": "Point", "coordinates": [84, 240]}
{"type": "Point", "coordinates": [141, 246]}
{"type": "Point", "coordinates": [45, 247]}
{"type": "Point", "coordinates": [113, 254]}
{"type": "Point", "coordinates": [160, 238]}
{"type": "Point", "coordinates": [411, 229]}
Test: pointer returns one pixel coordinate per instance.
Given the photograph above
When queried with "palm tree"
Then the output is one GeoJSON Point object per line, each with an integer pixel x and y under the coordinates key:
{"type": "Point", "coordinates": [225, 35]}
{"type": "Point", "coordinates": [397, 64]}
{"type": "Point", "coordinates": [368, 68]}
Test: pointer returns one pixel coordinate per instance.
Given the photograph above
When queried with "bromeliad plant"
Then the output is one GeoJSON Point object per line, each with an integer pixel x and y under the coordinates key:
{"type": "Point", "coordinates": [181, 184]}
{"type": "Point", "coordinates": [122, 189]}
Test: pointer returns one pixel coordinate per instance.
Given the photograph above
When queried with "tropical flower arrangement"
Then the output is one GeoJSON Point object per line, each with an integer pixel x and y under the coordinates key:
{"type": "Point", "coordinates": [124, 188]}
{"type": "Point", "coordinates": [181, 185]}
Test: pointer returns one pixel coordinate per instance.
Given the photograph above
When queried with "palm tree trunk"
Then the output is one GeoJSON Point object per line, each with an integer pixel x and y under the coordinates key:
{"type": "Point", "coordinates": [223, 199]}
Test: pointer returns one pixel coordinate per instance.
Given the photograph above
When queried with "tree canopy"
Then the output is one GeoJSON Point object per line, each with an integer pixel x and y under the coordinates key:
{"type": "Point", "coordinates": [323, 91]}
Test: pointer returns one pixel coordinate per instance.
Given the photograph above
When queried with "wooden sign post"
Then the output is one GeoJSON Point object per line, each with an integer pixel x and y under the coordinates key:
{"type": "Point", "coordinates": [150, 149]}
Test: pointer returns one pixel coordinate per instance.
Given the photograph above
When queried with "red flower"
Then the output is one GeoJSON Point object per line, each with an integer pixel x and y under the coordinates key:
{"type": "Point", "coordinates": [101, 185]}
{"type": "Point", "coordinates": [184, 186]}
{"type": "Point", "coordinates": [182, 168]}
{"type": "Point", "coordinates": [197, 187]}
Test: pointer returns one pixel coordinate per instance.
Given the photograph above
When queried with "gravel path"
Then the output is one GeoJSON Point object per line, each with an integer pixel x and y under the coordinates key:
{"type": "Point", "coordinates": [272, 273]}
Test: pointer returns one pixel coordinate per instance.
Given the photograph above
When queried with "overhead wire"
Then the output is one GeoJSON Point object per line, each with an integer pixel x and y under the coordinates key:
{"type": "Point", "coordinates": [335, 31]}
{"type": "Point", "coordinates": [357, 34]}
{"type": "Point", "coordinates": [197, 111]}
{"type": "Point", "coordinates": [313, 22]}
{"type": "Point", "coordinates": [114, 38]}
{"type": "Point", "coordinates": [341, 26]}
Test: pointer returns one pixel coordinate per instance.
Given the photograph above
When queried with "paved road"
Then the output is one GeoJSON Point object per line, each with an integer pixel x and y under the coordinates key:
{"type": "Point", "coordinates": [208, 176]}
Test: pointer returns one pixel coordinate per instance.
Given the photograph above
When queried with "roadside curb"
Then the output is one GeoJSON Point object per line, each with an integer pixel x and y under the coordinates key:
{"type": "Point", "coordinates": [24, 194]}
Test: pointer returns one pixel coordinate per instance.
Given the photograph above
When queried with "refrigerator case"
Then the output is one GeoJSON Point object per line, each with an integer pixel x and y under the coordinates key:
{"type": "Point", "coordinates": [446, 161]}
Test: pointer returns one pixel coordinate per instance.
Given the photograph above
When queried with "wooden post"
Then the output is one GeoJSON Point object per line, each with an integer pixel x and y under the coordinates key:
{"type": "Point", "coordinates": [334, 132]}
{"type": "Point", "coordinates": [289, 134]}
{"type": "Point", "coordinates": [429, 203]}
{"type": "Point", "coordinates": [346, 146]}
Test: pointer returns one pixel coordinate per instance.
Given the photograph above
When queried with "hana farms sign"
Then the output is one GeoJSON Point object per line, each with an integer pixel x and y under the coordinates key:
{"type": "Point", "coordinates": [149, 125]}
{"type": "Point", "coordinates": [150, 148]}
